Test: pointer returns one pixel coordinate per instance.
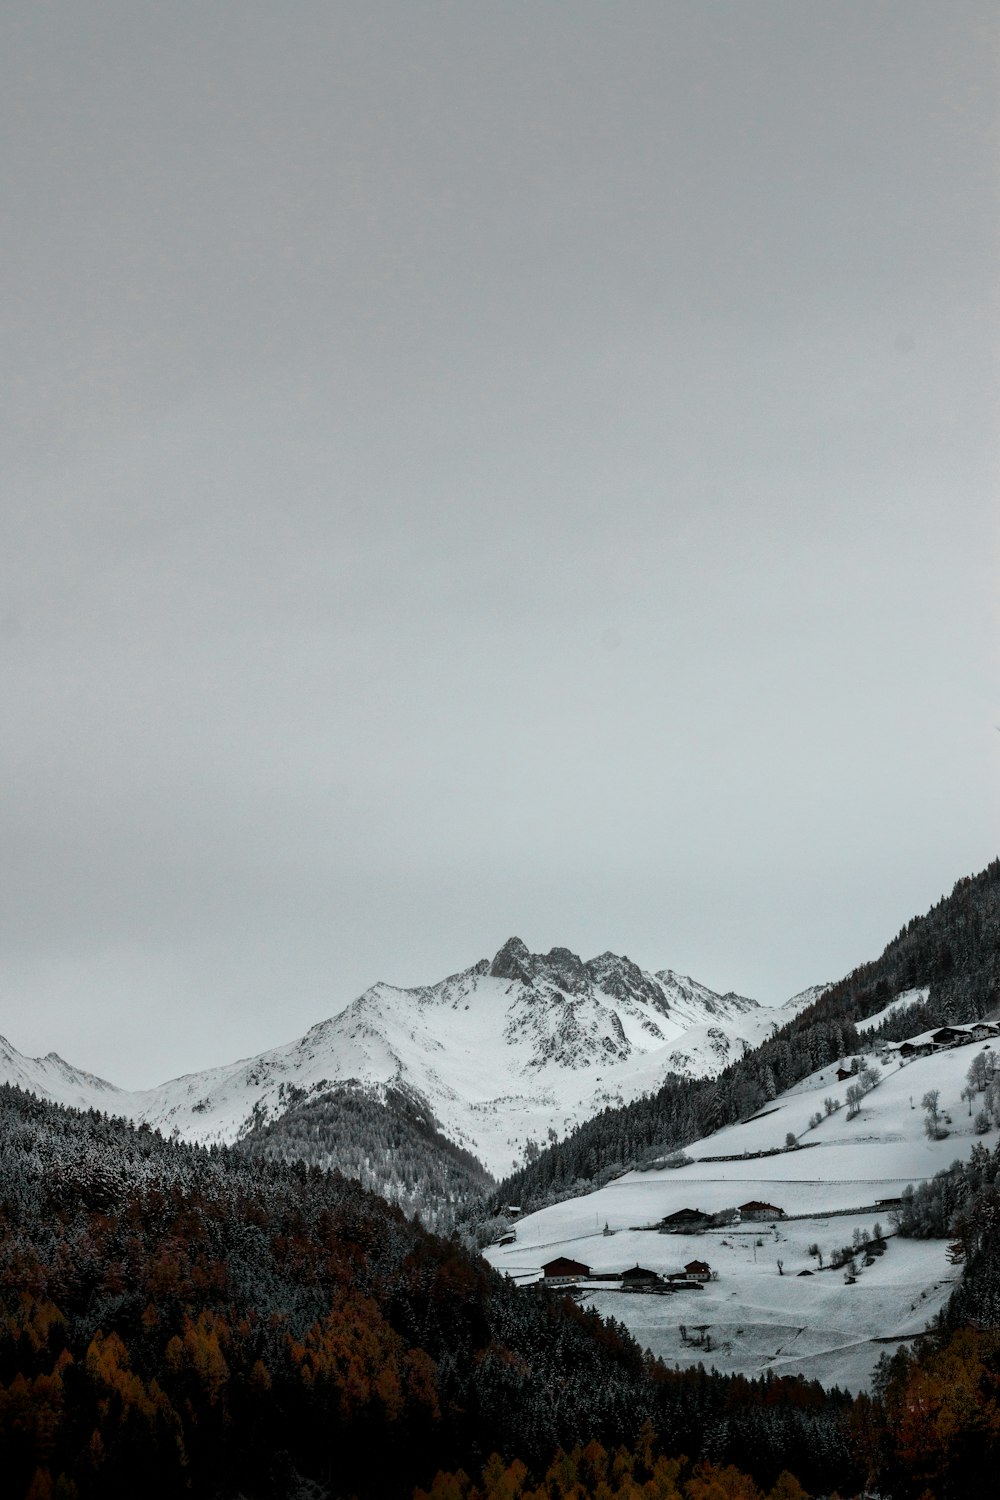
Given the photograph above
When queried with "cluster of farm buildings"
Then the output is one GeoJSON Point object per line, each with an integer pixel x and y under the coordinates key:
{"type": "Point", "coordinates": [943, 1037]}
{"type": "Point", "coordinates": [563, 1270]}
{"type": "Point", "coordinates": [693, 1275]}
{"type": "Point", "coordinates": [691, 1220]}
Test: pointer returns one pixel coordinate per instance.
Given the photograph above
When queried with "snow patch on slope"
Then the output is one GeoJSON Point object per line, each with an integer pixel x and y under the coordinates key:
{"type": "Point", "coordinates": [51, 1077]}
{"type": "Point", "coordinates": [908, 997]}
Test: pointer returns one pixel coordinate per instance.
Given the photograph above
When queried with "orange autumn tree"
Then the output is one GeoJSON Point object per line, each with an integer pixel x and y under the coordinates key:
{"type": "Point", "coordinates": [943, 1415]}
{"type": "Point", "coordinates": [354, 1355]}
{"type": "Point", "coordinates": [592, 1473]}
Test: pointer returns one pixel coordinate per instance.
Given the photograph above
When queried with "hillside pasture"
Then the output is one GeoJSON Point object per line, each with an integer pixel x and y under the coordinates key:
{"type": "Point", "coordinates": [756, 1316]}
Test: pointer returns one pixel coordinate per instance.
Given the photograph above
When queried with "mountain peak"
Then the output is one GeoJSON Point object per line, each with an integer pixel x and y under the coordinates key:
{"type": "Point", "coordinates": [560, 966]}
{"type": "Point", "coordinates": [499, 1054]}
{"type": "Point", "coordinates": [512, 962]}
{"type": "Point", "coordinates": [620, 977]}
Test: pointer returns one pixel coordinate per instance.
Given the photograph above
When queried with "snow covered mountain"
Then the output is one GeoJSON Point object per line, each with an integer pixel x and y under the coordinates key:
{"type": "Point", "coordinates": [51, 1077]}
{"type": "Point", "coordinates": [507, 1053]}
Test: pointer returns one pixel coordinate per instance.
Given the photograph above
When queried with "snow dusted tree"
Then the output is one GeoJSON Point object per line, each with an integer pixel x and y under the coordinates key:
{"type": "Point", "coordinates": [979, 1071]}
{"type": "Point", "coordinates": [930, 1102]}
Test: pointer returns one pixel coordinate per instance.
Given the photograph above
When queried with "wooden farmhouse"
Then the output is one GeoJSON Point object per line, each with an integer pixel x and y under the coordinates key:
{"type": "Point", "coordinates": [957, 1036]}
{"type": "Point", "coordinates": [683, 1221]}
{"type": "Point", "coordinates": [639, 1276]}
{"type": "Point", "coordinates": [917, 1046]}
{"type": "Point", "coordinates": [564, 1269]}
{"type": "Point", "coordinates": [950, 1036]}
{"type": "Point", "coordinates": [754, 1210]}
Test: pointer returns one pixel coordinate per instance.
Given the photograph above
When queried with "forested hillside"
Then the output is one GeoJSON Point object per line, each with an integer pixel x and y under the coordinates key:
{"type": "Point", "coordinates": [954, 951]}
{"type": "Point", "coordinates": [390, 1147]}
{"type": "Point", "coordinates": [220, 1326]}
{"type": "Point", "coordinates": [176, 1320]}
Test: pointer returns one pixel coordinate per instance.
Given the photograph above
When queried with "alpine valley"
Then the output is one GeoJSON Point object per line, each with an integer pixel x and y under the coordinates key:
{"type": "Point", "coordinates": [231, 1322]}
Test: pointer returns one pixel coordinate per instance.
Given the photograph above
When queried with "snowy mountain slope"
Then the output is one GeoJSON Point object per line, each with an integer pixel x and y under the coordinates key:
{"type": "Point", "coordinates": [837, 1182]}
{"type": "Point", "coordinates": [901, 1002]}
{"type": "Point", "coordinates": [806, 997]}
{"type": "Point", "coordinates": [51, 1077]}
{"type": "Point", "coordinates": [500, 1054]}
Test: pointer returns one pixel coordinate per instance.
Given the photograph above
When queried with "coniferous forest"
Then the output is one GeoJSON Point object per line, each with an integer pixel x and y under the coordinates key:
{"type": "Point", "coordinates": [176, 1320]}
{"type": "Point", "coordinates": [389, 1145]}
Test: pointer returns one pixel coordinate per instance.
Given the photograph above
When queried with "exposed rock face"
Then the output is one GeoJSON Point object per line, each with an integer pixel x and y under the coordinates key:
{"type": "Point", "coordinates": [577, 1015]}
{"type": "Point", "coordinates": [512, 962]}
{"type": "Point", "coordinates": [620, 977]}
{"type": "Point", "coordinates": [558, 967]}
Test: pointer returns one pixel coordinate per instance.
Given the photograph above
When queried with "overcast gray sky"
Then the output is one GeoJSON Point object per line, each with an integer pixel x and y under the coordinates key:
{"type": "Point", "coordinates": [474, 469]}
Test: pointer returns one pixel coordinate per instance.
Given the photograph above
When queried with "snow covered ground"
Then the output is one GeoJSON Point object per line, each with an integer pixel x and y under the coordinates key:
{"type": "Point", "coordinates": [755, 1316]}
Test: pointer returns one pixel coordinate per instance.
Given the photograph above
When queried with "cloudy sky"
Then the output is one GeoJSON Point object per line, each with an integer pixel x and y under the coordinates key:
{"type": "Point", "coordinates": [474, 469]}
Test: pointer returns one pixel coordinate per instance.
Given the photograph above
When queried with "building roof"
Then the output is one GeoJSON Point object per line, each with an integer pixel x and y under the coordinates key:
{"type": "Point", "coordinates": [563, 1266]}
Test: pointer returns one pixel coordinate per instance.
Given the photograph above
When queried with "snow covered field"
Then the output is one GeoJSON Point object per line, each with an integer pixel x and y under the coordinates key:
{"type": "Point", "coordinates": [754, 1316]}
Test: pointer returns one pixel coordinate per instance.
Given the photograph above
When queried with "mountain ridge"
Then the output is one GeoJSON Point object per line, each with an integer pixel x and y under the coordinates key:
{"type": "Point", "coordinates": [503, 1054]}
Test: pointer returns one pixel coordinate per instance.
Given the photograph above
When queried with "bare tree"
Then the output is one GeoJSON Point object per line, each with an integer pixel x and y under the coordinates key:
{"type": "Point", "coordinates": [930, 1102]}
{"type": "Point", "coordinates": [979, 1072]}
